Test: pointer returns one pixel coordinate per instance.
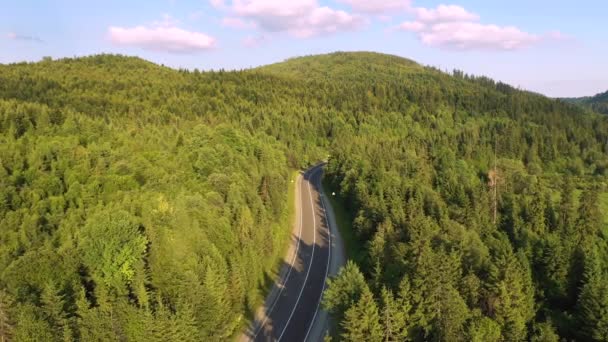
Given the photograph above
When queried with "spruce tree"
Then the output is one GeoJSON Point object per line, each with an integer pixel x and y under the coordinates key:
{"type": "Point", "coordinates": [6, 324]}
{"type": "Point", "coordinates": [394, 316]}
{"type": "Point", "coordinates": [362, 321]}
{"type": "Point", "coordinates": [593, 300]}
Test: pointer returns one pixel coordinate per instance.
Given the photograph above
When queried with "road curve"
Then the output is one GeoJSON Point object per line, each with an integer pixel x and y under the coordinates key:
{"type": "Point", "coordinates": [292, 310]}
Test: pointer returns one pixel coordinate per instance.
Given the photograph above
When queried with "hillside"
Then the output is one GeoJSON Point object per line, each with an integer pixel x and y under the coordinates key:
{"type": "Point", "coordinates": [598, 103]}
{"type": "Point", "coordinates": [346, 66]}
{"type": "Point", "coordinates": [138, 202]}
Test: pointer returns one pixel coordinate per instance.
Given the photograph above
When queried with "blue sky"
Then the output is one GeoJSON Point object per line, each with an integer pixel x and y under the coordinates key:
{"type": "Point", "coordinates": [558, 48]}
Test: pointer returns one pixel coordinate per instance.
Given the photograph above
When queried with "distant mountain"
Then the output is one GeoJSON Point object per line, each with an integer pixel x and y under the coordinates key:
{"type": "Point", "coordinates": [598, 103]}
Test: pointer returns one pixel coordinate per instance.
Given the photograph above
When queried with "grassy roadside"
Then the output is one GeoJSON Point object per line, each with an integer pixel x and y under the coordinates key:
{"type": "Point", "coordinates": [353, 248]}
{"type": "Point", "coordinates": [282, 240]}
{"type": "Point", "coordinates": [291, 211]}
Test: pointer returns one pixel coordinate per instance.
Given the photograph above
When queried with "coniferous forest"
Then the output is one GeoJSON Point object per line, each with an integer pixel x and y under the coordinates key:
{"type": "Point", "coordinates": [599, 102]}
{"type": "Point", "coordinates": [143, 203]}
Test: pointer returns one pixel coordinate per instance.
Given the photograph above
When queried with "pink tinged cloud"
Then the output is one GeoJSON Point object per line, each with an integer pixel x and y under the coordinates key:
{"type": "Point", "coordinates": [453, 27]}
{"type": "Point", "coordinates": [219, 4]}
{"type": "Point", "coordinates": [161, 38]}
{"type": "Point", "coordinates": [299, 18]}
{"type": "Point", "coordinates": [325, 20]}
{"type": "Point", "coordinates": [468, 35]}
{"type": "Point", "coordinates": [445, 13]}
{"type": "Point", "coordinates": [274, 8]}
{"type": "Point", "coordinates": [558, 36]}
{"type": "Point", "coordinates": [414, 26]}
{"type": "Point", "coordinates": [377, 6]}
{"type": "Point", "coordinates": [238, 23]}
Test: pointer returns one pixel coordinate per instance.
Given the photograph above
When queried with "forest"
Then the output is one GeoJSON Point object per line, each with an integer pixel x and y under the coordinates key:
{"type": "Point", "coordinates": [598, 103]}
{"type": "Point", "coordinates": [139, 202]}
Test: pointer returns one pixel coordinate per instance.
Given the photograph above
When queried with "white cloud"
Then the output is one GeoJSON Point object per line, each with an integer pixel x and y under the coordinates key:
{"type": "Point", "coordinates": [161, 38]}
{"type": "Point", "coordinates": [273, 8]}
{"type": "Point", "coordinates": [238, 23]}
{"type": "Point", "coordinates": [414, 26]}
{"type": "Point", "coordinates": [558, 36]}
{"type": "Point", "coordinates": [219, 4]}
{"type": "Point", "coordinates": [453, 27]}
{"type": "Point", "coordinates": [15, 36]}
{"type": "Point", "coordinates": [471, 35]}
{"type": "Point", "coordinates": [325, 20]}
{"type": "Point", "coordinates": [377, 6]}
{"type": "Point", "coordinates": [444, 13]}
{"type": "Point", "coordinates": [299, 18]}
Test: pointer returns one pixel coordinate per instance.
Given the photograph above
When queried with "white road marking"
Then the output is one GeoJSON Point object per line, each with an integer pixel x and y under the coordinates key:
{"type": "Point", "coordinates": [312, 323]}
{"type": "Point", "coordinates": [282, 286]}
{"type": "Point", "coordinates": [314, 235]}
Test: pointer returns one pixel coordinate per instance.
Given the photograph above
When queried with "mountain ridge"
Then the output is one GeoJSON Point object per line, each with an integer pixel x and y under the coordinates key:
{"type": "Point", "coordinates": [598, 102]}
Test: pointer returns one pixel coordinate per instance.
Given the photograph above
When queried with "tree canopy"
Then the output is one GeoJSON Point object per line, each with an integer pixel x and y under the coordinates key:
{"type": "Point", "coordinates": [138, 202]}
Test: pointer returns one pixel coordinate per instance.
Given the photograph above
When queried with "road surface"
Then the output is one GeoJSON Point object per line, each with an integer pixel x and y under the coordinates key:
{"type": "Point", "coordinates": [292, 310]}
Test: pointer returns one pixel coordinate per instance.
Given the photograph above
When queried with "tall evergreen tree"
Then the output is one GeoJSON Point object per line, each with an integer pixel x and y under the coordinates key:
{"type": "Point", "coordinates": [53, 308]}
{"type": "Point", "coordinates": [593, 300]}
{"type": "Point", "coordinates": [394, 316]}
{"type": "Point", "coordinates": [362, 321]}
{"type": "Point", "coordinates": [6, 323]}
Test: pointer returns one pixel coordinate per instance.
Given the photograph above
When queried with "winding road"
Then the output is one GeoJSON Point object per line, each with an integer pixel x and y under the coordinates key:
{"type": "Point", "coordinates": [292, 311]}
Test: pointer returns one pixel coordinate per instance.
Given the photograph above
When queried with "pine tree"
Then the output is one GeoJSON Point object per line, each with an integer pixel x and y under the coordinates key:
{"type": "Point", "coordinates": [515, 304]}
{"type": "Point", "coordinates": [555, 266]}
{"type": "Point", "coordinates": [53, 308]}
{"type": "Point", "coordinates": [544, 332]}
{"type": "Point", "coordinates": [6, 324]}
{"type": "Point", "coordinates": [394, 316]}
{"type": "Point", "coordinates": [344, 290]}
{"type": "Point", "coordinates": [160, 328]}
{"type": "Point", "coordinates": [216, 313]}
{"type": "Point", "coordinates": [31, 327]}
{"type": "Point", "coordinates": [362, 321]}
{"type": "Point", "coordinates": [567, 211]}
{"type": "Point", "coordinates": [593, 300]}
{"type": "Point", "coordinates": [590, 217]}
{"type": "Point", "coordinates": [449, 325]}
{"type": "Point", "coordinates": [484, 329]}
{"type": "Point", "coordinates": [535, 213]}
{"type": "Point", "coordinates": [187, 329]}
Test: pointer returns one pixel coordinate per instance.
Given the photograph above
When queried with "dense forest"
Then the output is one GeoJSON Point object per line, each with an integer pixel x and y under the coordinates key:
{"type": "Point", "coordinates": [138, 202]}
{"type": "Point", "coordinates": [598, 103]}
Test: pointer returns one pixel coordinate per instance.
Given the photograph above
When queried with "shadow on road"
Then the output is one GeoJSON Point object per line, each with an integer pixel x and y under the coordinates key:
{"type": "Point", "coordinates": [288, 291]}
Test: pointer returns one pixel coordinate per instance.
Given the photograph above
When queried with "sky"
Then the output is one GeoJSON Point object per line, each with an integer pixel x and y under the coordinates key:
{"type": "Point", "coordinates": [555, 47]}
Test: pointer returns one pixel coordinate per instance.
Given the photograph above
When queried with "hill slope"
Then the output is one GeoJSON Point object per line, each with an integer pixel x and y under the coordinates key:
{"type": "Point", "coordinates": [139, 202]}
{"type": "Point", "coordinates": [346, 66]}
{"type": "Point", "coordinates": [599, 102]}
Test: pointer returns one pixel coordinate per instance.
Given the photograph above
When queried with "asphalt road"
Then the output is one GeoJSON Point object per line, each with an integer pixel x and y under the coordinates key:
{"type": "Point", "coordinates": [292, 311]}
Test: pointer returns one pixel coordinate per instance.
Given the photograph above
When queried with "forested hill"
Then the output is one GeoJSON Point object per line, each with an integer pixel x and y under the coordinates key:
{"type": "Point", "coordinates": [599, 102]}
{"type": "Point", "coordinates": [346, 66]}
{"type": "Point", "coordinates": [138, 202]}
